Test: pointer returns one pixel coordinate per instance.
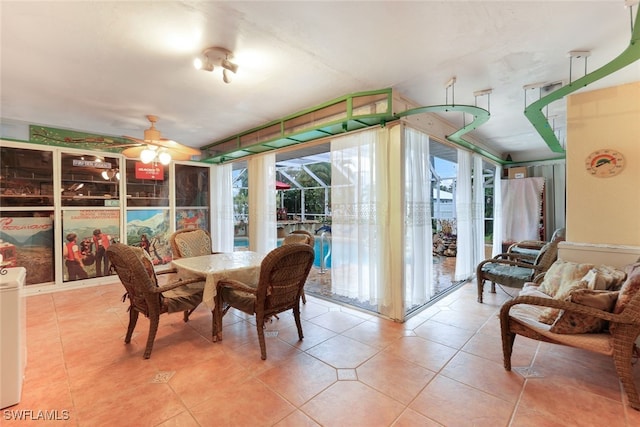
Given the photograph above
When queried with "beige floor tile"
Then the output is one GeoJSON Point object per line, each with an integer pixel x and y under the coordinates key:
{"type": "Point", "coordinates": [455, 404]}
{"type": "Point", "coordinates": [568, 404]}
{"type": "Point", "coordinates": [397, 378]}
{"type": "Point", "coordinates": [410, 418]}
{"type": "Point", "coordinates": [443, 367]}
{"type": "Point", "coordinates": [337, 321]}
{"type": "Point", "coordinates": [428, 354]}
{"type": "Point", "coordinates": [342, 352]}
{"type": "Point", "coordinates": [442, 333]}
{"type": "Point", "coordinates": [484, 375]}
{"type": "Point", "coordinates": [249, 403]}
{"type": "Point", "coordinates": [300, 378]}
{"type": "Point", "coordinates": [364, 407]}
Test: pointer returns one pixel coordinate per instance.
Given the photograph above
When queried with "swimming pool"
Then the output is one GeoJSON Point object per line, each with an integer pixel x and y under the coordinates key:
{"type": "Point", "coordinates": [320, 249]}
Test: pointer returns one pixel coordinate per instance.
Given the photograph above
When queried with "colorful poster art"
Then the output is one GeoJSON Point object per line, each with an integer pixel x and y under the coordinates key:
{"type": "Point", "coordinates": [28, 242]}
{"type": "Point", "coordinates": [192, 218]}
{"type": "Point", "coordinates": [86, 235]}
{"type": "Point", "coordinates": [149, 229]}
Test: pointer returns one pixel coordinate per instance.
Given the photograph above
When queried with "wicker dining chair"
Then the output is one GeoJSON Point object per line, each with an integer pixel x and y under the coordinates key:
{"type": "Point", "coordinates": [283, 273]}
{"type": "Point", "coordinates": [189, 242]}
{"type": "Point", "coordinates": [136, 272]}
{"type": "Point", "coordinates": [300, 236]}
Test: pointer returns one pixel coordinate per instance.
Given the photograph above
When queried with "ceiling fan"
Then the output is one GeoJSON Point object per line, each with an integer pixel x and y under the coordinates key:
{"type": "Point", "coordinates": [155, 148]}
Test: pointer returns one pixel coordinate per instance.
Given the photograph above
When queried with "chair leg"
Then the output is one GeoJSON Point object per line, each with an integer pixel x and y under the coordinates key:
{"type": "Point", "coordinates": [480, 289]}
{"type": "Point", "coordinates": [263, 345]}
{"type": "Point", "coordinates": [622, 355]}
{"type": "Point", "coordinates": [296, 316]}
{"type": "Point", "coordinates": [133, 319]}
{"type": "Point", "coordinates": [508, 338]}
{"type": "Point", "coordinates": [154, 320]}
{"type": "Point", "coordinates": [304, 298]}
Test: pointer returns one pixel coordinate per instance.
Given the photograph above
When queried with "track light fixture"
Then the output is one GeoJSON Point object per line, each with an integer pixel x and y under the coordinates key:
{"type": "Point", "coordinates": [217, 56]}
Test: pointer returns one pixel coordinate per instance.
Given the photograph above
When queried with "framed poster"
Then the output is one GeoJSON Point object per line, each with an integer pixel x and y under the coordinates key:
{"type": "Point", "coordinates": [92, 231]}
{"type": "Point", "coordinates": [192, 218]}
{"type": "Point", "coordinates": [26, 240]}
{"type": "Point", "coordinates": [149, 229]}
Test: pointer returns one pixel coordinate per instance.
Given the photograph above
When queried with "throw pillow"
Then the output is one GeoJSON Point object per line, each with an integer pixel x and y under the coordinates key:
{"type": "Point", "coordinates": [609, 278]}
{"type": "Point", "coordinates": [629, 288]}
{"type": "Point", "coordinates": [570, 322]}
{"type": "Point", "coordinates": [562, 272]}
{"type": "Point", "coordinates": [549, 314]}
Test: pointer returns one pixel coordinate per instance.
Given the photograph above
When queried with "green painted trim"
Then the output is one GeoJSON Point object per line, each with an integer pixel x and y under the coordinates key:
{"type": "Point", "coordinates": [534, 111]}
{"type": "Point", "coordinates": [74, 139]}
{"type": "Point", "coordinates": [480, 116]}
{"type": "Point", "coordinates": [283, 138]}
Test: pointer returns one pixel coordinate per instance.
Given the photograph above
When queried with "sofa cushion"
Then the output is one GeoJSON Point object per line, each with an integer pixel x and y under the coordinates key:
{"type": "Point", "coordinates": [570, 322]}
{"type": "Point", "coordinates": [562, 272]}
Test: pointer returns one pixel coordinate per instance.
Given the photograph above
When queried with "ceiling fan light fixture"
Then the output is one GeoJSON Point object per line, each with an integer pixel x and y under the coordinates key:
{"type": "Point", "coordinates": [164, 157]}
{"type": "Point", "coordinates": [147, 156]}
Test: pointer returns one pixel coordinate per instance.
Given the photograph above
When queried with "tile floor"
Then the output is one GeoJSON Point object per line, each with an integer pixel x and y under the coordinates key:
{"type": "Point", "coordinates": [441, 367]}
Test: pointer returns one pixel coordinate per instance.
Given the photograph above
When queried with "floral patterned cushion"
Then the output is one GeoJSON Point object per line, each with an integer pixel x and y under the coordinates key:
{"type": "Point", "coordinates": [574, 323]}
{"type": "Point", "coordinates": [562, 272]}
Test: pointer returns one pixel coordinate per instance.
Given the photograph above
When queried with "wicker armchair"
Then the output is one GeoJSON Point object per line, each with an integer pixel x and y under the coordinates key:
{"type": "Point", "coordinates": [514, 270]}
{"type": "Point", "coordinates": [190, 242]}
{"type": "Point", "coordinates": [518, 317]}
{"type": "Point", "coordinates": [283, 273]}
{"type": "Point", "coordinates": [530, 249]}
{"type": "Point", "coordinates": [138, 277]}
{"type": "Point", "coordinates": [300, 236]}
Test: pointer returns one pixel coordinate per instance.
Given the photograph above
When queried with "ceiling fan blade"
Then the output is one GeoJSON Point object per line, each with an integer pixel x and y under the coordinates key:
{"type": "Point", "coordinates": [152, 137]}
{"type": "Point", "coordinates": [177, 147]}
{"type": "Point", "coordinates": [133, 152]}
{"type": "Point", "coordinates": [177, 150]}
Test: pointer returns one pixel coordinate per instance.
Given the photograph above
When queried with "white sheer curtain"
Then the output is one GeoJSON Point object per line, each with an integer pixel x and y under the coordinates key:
{"type": "Point", "coordinates": [418, 246]}
{"type": "Point", "coordinates": [222, 221]}
{"type": "Point", "coordinates": [497, 212]}
{"type": "Point", "coordinates": [477, 212]}
{"type": "Point", "coordinates": [262, 202]}
{"type": "Point", "coordinates": [464, 255]}
{"type": "Point", "coordinates": [360, 211]}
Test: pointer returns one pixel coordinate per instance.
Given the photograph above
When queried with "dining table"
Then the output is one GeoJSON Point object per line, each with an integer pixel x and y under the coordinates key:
{"type": "Point", "coordinates": [243, 266]}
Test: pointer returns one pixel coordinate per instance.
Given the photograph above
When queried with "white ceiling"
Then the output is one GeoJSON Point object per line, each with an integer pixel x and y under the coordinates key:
{"type": "Point", "coordinates": [102, 66]}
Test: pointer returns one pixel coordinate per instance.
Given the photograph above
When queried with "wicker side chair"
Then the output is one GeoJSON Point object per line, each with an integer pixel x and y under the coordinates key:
{"type": "Point", "coordinates": [618, 341]}
{"type": "Point", "coordinates": [283, 273]}
{"type": "Point", "coordinates": [531, 248]}
{"type": "Point", "coordinates": [135, 270]}
{"type": "Point", "coordinates": [189, 242]}
{"type": "Point", "coordinates": [300, 236]}
{"type": "Point", "coordinates": [510, 270]}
